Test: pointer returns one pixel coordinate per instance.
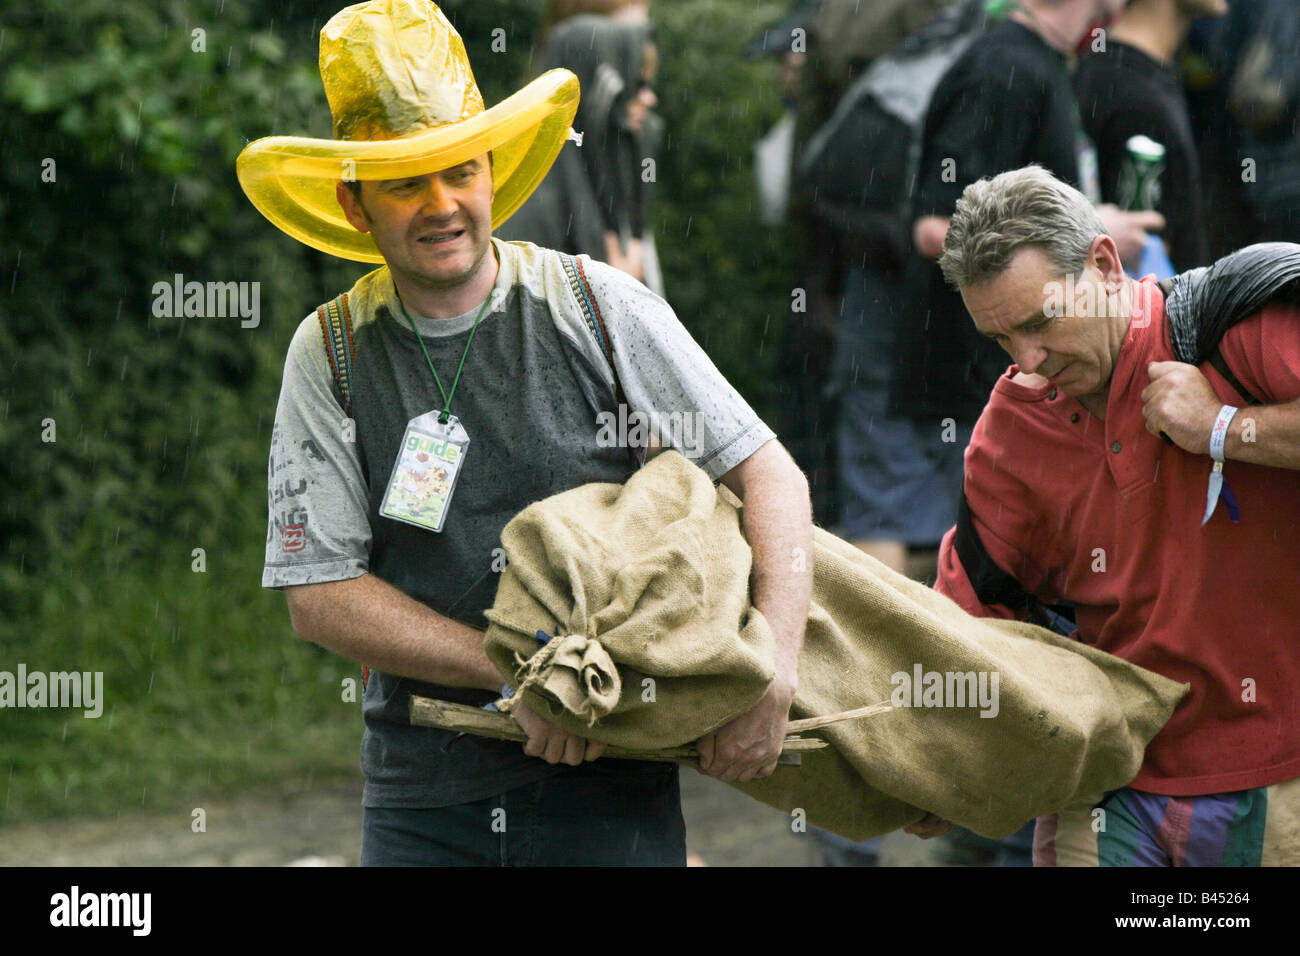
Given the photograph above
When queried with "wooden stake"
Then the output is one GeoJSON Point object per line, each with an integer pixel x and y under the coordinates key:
{"type": "Point", "coordinates": [445, 715]}
{"type": "Point", "coordinates": [812, 723]}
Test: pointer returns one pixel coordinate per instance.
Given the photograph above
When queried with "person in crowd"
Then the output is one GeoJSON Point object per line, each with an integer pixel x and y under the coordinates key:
{"type": "Point", "coordinates": [389, 568]}
{"type": "Point", "coordinates": [1005, 103]}
{"type": "Point", "coordinates": [597, 197]}
{"type": "Point", "coordinates": [1141, 460]}
{"type": "Point", "coordinates": [831, 42]}
{"type": "Point", "coordinates": [1254, 52]}
{"type": "Point", "coordinates": [1127, 86]}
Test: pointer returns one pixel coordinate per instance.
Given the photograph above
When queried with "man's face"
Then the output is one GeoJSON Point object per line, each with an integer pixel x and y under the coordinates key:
{"type": "Point", "coordinates": [434, 230]}
{"type": "Point", "coordinates": [643, 100]}
{"type": "Point", "coordinates": [1063, 331]}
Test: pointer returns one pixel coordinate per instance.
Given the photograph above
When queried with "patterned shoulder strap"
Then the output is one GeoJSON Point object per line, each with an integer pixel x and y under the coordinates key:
{"type": "Point", "coordinates": [336, 327]}
{"type": "Point", "coordinates": [582, 291]}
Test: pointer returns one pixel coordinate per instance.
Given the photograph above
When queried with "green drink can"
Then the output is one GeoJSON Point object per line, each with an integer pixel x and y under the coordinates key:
{"type": "Point", "coordinates": [1139, 176]}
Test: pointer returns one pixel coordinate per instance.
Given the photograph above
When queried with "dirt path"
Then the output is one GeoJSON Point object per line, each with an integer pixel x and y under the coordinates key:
{"type": "Point", "coordinates": [321, 826]}
{"type": "Point", "coordinates": [257, 828]}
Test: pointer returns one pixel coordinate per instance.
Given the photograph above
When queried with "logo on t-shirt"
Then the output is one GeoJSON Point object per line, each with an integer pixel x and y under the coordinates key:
{"type": "Point", "coordinates": [293, 539]}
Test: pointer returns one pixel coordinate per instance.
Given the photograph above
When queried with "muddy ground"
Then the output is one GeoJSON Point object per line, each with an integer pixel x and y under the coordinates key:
{"type": "Point", "coordinates": [321, 826]}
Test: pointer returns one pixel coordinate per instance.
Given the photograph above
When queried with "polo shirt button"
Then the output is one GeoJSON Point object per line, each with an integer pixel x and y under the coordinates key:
{"type": "Point", "coordinates": [1074, 417]}
{"type": "Point", "coordinates": [1051, 396]}
{"type": "Point", "coordinates": [1115, 446]}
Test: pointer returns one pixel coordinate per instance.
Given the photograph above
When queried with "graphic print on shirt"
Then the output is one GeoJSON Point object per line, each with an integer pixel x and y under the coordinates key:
{"type": "Point", "coordinates": [288, 517]}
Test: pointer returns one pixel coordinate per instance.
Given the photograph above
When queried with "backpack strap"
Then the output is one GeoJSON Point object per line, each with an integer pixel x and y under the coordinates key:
{"type": "Point", "coordinates": [992, 585]}
{"type": "Point", "coordinates": [1216, 359]}
{"type": "Point", "coordinates": [582, 291]}
{"type": "Point", "coordinates": [336, 328]}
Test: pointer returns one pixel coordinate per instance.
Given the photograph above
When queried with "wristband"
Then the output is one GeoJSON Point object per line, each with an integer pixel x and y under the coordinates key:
{"type": "Point", "coordinates": [1219, 433]}
{"type": "Point", "coordinates": [1217, 486]}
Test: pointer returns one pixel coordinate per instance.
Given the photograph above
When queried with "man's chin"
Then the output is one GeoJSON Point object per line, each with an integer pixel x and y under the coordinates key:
{"type": "Point", "coordinates": [441, 278]}
{"type": "Point", "coordinates": [453, 272]}
{"type": "Point", "coordinates": [1068, 380]}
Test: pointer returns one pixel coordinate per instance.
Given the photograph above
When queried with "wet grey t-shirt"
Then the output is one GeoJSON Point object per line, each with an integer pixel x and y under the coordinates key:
{"type": "Point", "coordinates": [537, 400]}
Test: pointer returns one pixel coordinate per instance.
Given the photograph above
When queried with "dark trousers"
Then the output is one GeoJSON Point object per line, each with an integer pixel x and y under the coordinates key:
{"type": "Point", "coordinates": [593, 815]}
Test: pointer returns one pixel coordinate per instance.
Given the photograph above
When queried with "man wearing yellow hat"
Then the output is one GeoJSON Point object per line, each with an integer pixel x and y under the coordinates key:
{"type": "Point", "coordinates": [447, 390]}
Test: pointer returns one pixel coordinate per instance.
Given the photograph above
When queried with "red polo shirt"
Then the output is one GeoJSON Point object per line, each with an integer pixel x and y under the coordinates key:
{"type": "Point", "coordinates": [1108, 516]}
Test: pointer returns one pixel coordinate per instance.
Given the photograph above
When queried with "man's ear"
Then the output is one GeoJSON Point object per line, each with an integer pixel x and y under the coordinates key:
{"type": "Point", "coordinates": [1103, 255]}
{"type": "Point", "coordinates": [351, 206]}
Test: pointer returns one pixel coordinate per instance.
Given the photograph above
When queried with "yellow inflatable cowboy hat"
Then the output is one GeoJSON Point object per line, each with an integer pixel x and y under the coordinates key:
{"type": "Point", "coordinates": [404, 103]}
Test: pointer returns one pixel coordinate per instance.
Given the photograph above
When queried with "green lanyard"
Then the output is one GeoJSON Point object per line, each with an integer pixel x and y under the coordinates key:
{"type": "Point", "coordinates": [446, 396]}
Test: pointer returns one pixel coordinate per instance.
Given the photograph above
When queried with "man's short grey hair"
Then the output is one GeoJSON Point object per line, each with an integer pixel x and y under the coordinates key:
{"type": "Point", "coordinates": [1023, 207]}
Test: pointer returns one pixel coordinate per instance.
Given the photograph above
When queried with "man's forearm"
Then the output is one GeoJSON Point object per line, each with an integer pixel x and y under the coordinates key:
{"type": "Point", "coordinates": [369, 621]}
{"type": "Point", "coordinates": [1265, 435]}
{"type": "Point", "coordinates": [777, 517]}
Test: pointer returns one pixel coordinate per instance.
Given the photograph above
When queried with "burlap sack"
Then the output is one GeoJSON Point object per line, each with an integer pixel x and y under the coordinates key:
{"type": "Point", "coordinates": [656, 574]}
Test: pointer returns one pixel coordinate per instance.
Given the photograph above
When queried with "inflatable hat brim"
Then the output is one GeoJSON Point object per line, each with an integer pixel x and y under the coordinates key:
{"type": "Point", "coordinates": [291, 179]}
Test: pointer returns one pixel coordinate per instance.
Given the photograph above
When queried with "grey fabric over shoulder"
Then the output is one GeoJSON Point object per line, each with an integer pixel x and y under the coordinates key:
{"type": "Point", "coordinates": [1208, 301]}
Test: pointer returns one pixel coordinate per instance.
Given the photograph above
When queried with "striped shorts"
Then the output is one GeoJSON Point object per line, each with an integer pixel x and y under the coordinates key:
{"type": "Point", "coordinates": [1259, 827]}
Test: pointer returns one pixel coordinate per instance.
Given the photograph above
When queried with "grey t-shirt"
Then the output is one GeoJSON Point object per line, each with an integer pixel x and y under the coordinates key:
{"type": "Point", "coordinates": [537, 400]}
